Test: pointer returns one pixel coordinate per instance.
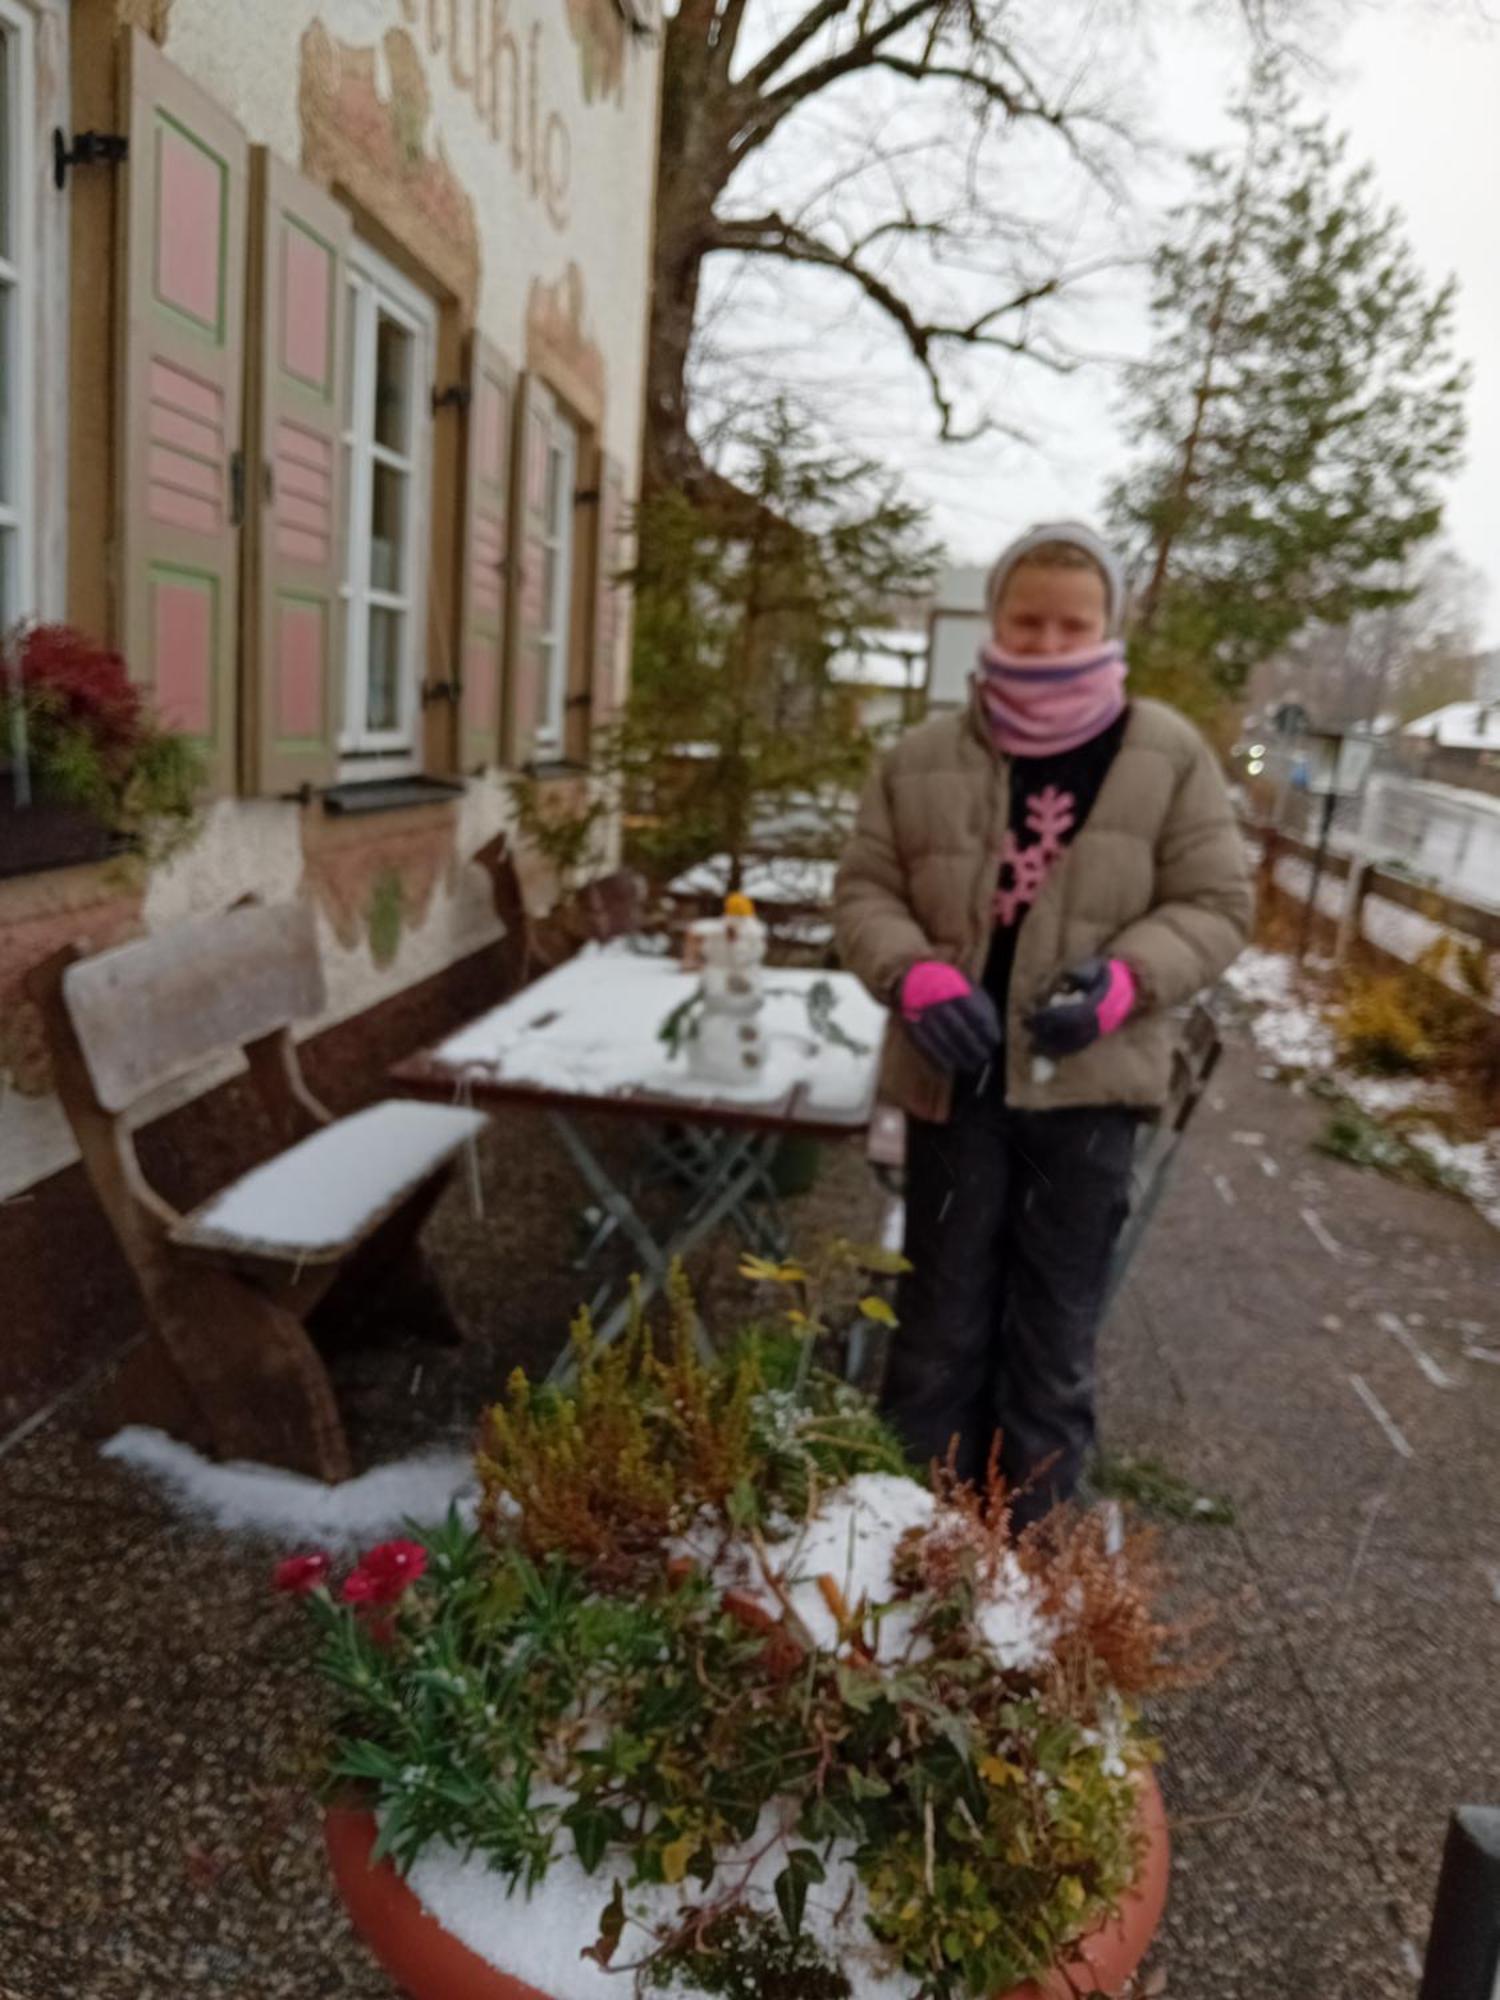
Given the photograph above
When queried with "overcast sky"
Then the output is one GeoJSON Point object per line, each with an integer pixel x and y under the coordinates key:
{"type": "Point", "coordinates": [1415, 83]}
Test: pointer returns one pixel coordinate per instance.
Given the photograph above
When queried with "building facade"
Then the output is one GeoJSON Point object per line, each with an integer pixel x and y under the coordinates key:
{"type": "Point", "coordinates": [322, 378]}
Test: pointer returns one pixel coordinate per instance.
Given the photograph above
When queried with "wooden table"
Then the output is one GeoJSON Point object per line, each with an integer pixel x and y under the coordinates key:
{"type": "Point", "coordinates": [585, 1040]}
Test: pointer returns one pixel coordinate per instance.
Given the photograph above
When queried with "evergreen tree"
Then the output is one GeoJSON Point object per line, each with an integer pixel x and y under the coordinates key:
{"type": "Point", "coordinates": [1299, 411]}
{"type": "Point", "coordinates": [742, 603]}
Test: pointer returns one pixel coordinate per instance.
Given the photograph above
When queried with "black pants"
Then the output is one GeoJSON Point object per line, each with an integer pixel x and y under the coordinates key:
{"type": "Point", "coordinates": [1011, 1218]}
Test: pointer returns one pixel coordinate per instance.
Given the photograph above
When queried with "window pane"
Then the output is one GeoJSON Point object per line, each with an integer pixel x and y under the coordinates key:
{"type": "Point", "coordinates": [383, 706]}
{"type": "Point", "coordinates": [393, 346]}
{"type": "Point", "coordinates": [554, 491]}
{"type": "Point", "coordinates": [9, 609]}
{"type": "Point", "coordinates": [355, 301]}
{"type": "Point", "coordinates": [7, 74]}
{"type": "Point", "coordinates": [7, 391]}
{"type": "Point", "coordinates": [387, 527]}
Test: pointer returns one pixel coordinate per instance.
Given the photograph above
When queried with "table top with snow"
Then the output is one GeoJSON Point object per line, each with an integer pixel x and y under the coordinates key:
{"type": "Point", "coordinates": [589, 1034]}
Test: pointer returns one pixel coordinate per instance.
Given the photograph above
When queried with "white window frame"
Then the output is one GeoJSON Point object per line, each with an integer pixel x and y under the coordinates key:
{"type": "Point", "coordinates": [374, 283]}
{"type": "Point", "coordinates": [555, 640]}
{"type": "Point", "coordinates": [19, 275]}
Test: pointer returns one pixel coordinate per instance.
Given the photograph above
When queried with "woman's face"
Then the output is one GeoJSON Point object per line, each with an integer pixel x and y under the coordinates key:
{"type": "Point", "coordinates": [1044, 613]}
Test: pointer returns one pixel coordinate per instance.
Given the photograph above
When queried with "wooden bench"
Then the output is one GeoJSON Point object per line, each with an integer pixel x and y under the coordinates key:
{"type": "Point", "coordinates": [611, 906]}
{"type": "Point", "coordinates": [228, 1288]}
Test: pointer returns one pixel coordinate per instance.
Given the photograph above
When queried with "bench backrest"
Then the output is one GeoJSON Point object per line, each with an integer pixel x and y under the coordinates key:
{"type": "Point", "coordinates": [155, 1009]}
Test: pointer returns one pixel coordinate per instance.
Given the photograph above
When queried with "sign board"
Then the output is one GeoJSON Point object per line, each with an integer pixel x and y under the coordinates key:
{"type": "Point", "coordinates": [1333, 766]}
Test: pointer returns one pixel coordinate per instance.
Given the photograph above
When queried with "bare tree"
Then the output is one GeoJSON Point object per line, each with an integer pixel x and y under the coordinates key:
{"type": "Point", "coordinates": [1403, 658]}
{"type": "Point", "coordinates": [915, 134]}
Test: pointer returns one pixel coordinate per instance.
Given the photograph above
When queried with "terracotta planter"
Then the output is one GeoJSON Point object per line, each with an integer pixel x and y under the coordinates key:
{"type": "Point", "coordinates": [430, 1964]}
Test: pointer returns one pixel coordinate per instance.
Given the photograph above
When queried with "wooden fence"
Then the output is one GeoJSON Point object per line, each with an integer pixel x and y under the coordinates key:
{"type": "Point", "coordinates": [1471, 922]}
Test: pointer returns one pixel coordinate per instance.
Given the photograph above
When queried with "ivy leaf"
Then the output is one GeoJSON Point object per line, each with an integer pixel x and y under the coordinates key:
{"type": "Point", "coordinates": [802, 1868]}
{"type": "Point", "coordinates": [878, 1310]}
{"type": "Point", "coordinates": [611, 1930]}
{"type": "Point", "coordinates": [676, 1855]}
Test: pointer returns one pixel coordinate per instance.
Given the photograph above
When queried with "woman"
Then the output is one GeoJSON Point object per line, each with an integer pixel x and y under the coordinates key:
{"type": "Point", "coordinates": [1033, 884]}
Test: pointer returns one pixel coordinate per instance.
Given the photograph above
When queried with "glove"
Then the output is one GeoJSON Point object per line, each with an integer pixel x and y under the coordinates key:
{"type": "Point", "coordinates": [1092, 1000]}
{"type": "Point", "coordinates": [952, 1023]}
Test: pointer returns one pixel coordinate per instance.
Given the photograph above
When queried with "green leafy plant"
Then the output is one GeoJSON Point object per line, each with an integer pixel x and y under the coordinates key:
{"type": "Point", "coordinates": [1156, 1489]}
{"type": "Point", "coordinates": [629, 1663]}
{"type": "Point", "coordinates": [1352, 1135]}
{"type": "Point", "coordinates": [85, 735]}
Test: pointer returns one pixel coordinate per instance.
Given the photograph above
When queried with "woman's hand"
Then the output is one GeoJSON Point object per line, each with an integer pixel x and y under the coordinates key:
{"type": "Point", "coordinates": [954, 1024]}
{"type": "Point", "coordinates": [1092, 1000]}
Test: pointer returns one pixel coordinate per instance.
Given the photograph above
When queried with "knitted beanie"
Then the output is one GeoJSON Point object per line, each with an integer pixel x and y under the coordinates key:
{"type": "Point", "coordinates": [1077, 535]}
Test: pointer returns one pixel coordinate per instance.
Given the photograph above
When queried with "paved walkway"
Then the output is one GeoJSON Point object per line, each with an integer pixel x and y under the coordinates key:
{"type": "Point", "coordinates": [156, 1836]}
{"type": "Point", "coordinates": [1293, 1336]}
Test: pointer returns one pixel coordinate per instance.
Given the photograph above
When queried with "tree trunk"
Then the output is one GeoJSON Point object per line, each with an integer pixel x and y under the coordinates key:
{"type": "Point", "coordinates": [1182, 493]}
{"type": "Point", "coordinates": [694, 163]}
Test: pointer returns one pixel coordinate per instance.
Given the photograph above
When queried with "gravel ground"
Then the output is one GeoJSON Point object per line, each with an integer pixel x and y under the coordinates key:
{"type": "Point", "coordinates": [159, 1730]}
{"type": "Point", "coordinates": [159, 1727]}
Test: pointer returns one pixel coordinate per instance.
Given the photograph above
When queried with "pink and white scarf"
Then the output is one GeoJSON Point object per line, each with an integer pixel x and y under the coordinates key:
{"type": "Point", "coordinates": [1042, 707]}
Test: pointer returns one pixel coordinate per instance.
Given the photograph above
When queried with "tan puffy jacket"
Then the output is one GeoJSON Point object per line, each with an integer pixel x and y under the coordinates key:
{"type": "Point", "coordinates": [1156, 875]}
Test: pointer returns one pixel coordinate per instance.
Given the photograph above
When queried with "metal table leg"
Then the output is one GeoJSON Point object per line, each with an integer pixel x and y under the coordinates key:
{"type": "Point", "coordinates": [724, 1185]}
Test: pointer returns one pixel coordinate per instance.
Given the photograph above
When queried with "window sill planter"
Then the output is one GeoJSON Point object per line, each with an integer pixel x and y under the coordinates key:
{"type": "Point", "coordinates": [429, 1962]}
{"type": "Point", "coordinates": [47, 833]}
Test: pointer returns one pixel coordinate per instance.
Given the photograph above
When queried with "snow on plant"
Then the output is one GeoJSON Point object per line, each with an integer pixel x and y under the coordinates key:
{"type": "Point", "coordinates": [809, 1725]}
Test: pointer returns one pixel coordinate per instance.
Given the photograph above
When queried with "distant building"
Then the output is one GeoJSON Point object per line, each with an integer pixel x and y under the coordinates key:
{"type": "Point", "coordinates": [957, 627]}
{"type": "Point", "coordinates": [1458, 744]}
{"type": "Point", "coordinates": [888, 672]}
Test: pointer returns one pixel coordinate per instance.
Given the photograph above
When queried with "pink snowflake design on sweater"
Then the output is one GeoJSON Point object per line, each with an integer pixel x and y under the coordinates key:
{"type": "Point", "coordinates": [1050, 815]}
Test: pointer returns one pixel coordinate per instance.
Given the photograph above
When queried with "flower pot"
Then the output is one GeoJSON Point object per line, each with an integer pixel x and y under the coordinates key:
{"type": "Point", "coordinates": [429, 1963]}
{"type": "Point", "coordinates": [47, 833]}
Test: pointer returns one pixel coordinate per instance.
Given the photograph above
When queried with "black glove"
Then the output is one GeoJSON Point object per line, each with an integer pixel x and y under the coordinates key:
{"type": "Point", "coordinates": [961, 1034]}
{"type": "Point", "coordinates": [1068, 1019]}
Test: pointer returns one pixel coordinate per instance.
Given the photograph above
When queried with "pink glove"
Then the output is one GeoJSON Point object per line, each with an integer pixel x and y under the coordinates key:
{"type": "Point", "coordinates": [1119, 999]}
{"type": "Point", "coordinates": [929, 984]}
{"type": "Point", "coordinates": [954, 1024]}
{"type": "Point", "coordinates": [1092, 1000]}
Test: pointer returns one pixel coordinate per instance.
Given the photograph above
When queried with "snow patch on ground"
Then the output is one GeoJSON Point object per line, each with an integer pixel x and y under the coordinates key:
{"type": "Point", "coordinates": [1292, 1032]}
{"type": "Point", "coordinates": [241, 1497]}
{"type": "Point", "coordinates": [1473, 1166]}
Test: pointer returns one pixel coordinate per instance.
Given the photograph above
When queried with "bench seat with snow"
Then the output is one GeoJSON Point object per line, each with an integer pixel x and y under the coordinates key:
{"type": "Point", "coordinates": [228, 1288]}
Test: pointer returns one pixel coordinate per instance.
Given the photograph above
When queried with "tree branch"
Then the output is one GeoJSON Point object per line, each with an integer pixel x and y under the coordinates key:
{"type": "Point", "coordinates": [773, 236]}
{"type": "Point", "coordinates": [767, 108]}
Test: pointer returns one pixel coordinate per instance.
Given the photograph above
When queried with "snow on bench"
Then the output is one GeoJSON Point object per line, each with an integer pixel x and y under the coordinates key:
{"type": "Point", "coordinates": [312, 1203]}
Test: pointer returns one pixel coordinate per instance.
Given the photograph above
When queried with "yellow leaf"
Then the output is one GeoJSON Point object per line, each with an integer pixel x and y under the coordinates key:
{"type": "Point", "coordinates": [995, 1771]}
{"type": "Point", "coordinates": [878, 1310]}
{"type": "Point", "coordinates": [676, 1855]}
{"type": "Point", "coordinates": [759, 1267]}
{"type": "Point", "coordinates": [1073, 1892]}
{"type": "Point", "coordinates": [795, 1318]}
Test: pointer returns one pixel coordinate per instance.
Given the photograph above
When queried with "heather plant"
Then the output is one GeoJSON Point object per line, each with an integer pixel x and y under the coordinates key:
{"type": "Point", "coordinates": [641, 1662]}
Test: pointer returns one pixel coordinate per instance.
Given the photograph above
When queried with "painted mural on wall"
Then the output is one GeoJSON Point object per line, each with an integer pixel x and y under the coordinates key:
{"type": "Point", "coordinates": [598, 27]}
{"type": "Point", "coordinates": [376, 146]}
{"type": "Point", "coordinates": [375, 880]}
{"type": "Point", "coordinates": [96, 907]}
{"type": "Point", "coordinates": [557, 338]}
{"type": "Point", "coordinates": [494, 58]}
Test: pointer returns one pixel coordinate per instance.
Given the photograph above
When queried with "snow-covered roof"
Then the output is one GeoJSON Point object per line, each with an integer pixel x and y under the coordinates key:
{"type": "Point", "coordinates": [1462, 725]}
{"type": "Point", "coordinates": [882, 659]}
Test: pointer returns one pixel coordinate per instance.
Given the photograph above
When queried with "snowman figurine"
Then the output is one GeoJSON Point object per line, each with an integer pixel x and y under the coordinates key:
{"type": "Point", "coordinates": [726, 1044]}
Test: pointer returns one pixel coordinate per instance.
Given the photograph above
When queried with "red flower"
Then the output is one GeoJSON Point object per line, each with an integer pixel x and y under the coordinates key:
{"type": "Point", "coordinates": [384, 1573]}
{"type": "Point", "coordinates": [300, 1575]}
